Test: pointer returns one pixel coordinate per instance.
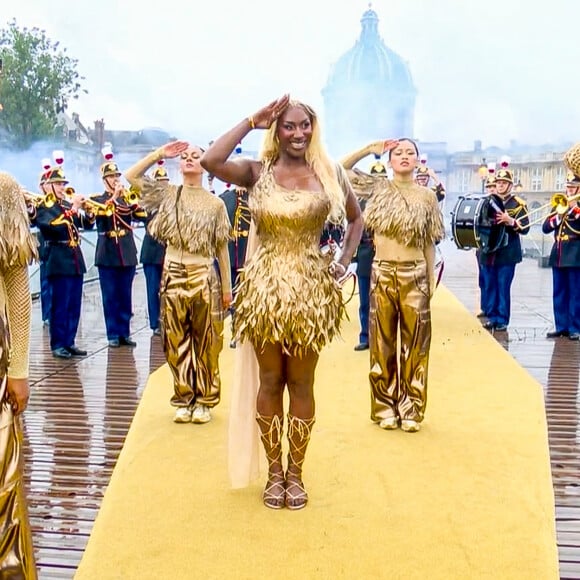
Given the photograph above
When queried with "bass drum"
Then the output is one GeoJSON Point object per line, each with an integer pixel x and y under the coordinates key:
{"type": "Point", "coordinates": [473, 224]}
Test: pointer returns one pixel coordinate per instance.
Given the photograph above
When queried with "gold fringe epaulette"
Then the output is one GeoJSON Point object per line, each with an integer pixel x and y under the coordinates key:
{"type": "Point", "coordinates": [197, 222]}
{"type": "Point", "coordinates": [407, 213]}
{"type": "Point", "coordinates": [17, 244]}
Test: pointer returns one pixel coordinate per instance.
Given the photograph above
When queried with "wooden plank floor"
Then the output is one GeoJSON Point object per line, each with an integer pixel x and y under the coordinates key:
{"type": "Point", "coordinates": [80, 411]}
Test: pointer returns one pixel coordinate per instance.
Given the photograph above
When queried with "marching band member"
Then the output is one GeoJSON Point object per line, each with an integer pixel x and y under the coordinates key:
{"type": "Point", "coordinates": [565, 262]}
{"type": "Point", "coordinates": [362, 184]}
{"type": "Point", "coordinates": [236, 201]}
{"type": "Point", "coordinates": [152, 257]}
{"type": "Point", "coordinates": [45, 289]}
{"type": "Point", "coordinates": [288, 304]}
{"type": "Point", "coordinates": [195, 226]}
{"type": "Point", "coordinates": [116, 252]}
{"type": "Point", "coordinates": [59, 221]}
{"type": "Point", "coordinates": [406, 223]}
{"type": "Point", "coordinates": [424, 175]}
{"type": "Point", "coordinates": [500, 265]}
{"type": "Point", "coordinates": [483, 277]}
{"type": "Point", "coordinates": [17, 250]}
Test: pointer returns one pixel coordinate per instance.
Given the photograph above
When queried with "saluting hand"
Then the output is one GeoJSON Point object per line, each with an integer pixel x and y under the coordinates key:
{"type": "Point", "coordinates": [173, 149]}
{"type": "Point", "coordinates": [264, 118]}
{"type": "Point", "coordinates": [381, 147]}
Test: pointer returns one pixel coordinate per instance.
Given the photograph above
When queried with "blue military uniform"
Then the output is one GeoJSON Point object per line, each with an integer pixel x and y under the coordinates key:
{"type": "Point", "coordinates": [565, 262]}
{"type": "Point", "coordinates": [499, 267]}
{"type": "Point", "coordinates": [152, 257]}
{"type": "Point", "coordinates": [363, 257]}
{"type": "Point", "coordinates": [236, 202]}
{"type": "Point", "coordinates": [116, 259]}
{"type": "Point", "coordinates": [65, 266]}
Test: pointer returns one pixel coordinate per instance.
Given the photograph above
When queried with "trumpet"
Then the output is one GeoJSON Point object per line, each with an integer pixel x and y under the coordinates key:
{"type": "Point", "coordinates": [558, 203]}
{"type": "Point", "coordinates": [89, 204]}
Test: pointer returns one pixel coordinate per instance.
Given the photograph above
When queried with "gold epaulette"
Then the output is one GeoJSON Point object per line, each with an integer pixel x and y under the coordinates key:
{"type": "Point", "coordinates": [520, 200]}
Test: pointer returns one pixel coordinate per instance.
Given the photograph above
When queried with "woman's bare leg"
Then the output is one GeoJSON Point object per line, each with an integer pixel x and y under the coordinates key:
{"type": "Point", "coordinates": [300, 377]}
{"type": "Point", "coordinates": [270, 417]}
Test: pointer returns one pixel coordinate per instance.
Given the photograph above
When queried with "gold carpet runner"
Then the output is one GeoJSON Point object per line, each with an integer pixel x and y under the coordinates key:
{"type": "Point", "coordinates": [469, 497]}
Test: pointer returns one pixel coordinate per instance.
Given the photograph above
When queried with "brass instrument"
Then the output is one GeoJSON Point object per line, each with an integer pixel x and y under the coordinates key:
{"type": "Point", "coordinates": [32, 198]}
{"type": "Point", "coordinates": [131, 195]}
{"type": "Point", "coordinates": [558, 203]}
{"type": "Point", "coordinates": [93, 205]}
{"type": "Point", "coordinates": [50, 199]}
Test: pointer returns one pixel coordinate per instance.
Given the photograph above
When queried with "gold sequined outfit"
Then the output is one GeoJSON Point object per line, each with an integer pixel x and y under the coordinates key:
{"type": "Point", "coordinates": [400, 298]}
{"type": "Point", "coordinates": [17, 248]}
{"type": "Point", "coordinates": [194, 225]}
{"type": "Point", "coordinates": [286, 294]}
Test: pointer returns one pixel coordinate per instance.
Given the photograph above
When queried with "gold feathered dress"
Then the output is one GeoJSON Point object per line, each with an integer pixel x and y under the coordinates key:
{"type": "Point", "coordinates": [194, 225]}
{"type": "Point", "coordinates": [17, 249]}
{"type": "Point", "coordinates": [286, 294]}
{"type": "Point", "coordinates": [400, 297]}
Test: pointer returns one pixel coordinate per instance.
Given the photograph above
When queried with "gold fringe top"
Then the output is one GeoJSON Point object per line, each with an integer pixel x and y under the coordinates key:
{"type": "Point", "coordinates": [405, 212]}
{"type": "Point", "coordinates": [17, 244]}
{"type": "Point", "coordinates": [195, 221]}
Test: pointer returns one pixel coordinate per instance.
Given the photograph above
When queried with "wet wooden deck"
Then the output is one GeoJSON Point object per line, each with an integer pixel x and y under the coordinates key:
{"type": "Point", "coordinates": [80, 411]}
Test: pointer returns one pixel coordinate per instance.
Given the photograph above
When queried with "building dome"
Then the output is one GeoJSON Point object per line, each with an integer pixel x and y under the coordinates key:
{"type": "Point", "coordinates": [370, 60]}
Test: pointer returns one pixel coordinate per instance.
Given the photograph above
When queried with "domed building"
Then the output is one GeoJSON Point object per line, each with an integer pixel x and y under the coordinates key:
{"type": "Point", "coordinates": [369, 95]}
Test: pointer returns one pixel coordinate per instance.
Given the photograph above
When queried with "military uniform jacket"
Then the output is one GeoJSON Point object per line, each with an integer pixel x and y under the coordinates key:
{"type": "Point", "coordinates": [43, 247]}
{"type": "Point", "coordinates": [511, 252]}
{"type": "Point", "coordinates": [239, 216]}
{"type": "Point", "coordinates": [116, 243]}
{"type": "Point", "coordinates": [366, 250]}
{"type": "Point", "coordinates": [59, 227]}
{"type": "Point", "coordinates": [152, 251]}
{"type": "Point", "coordinates": [565, 252]}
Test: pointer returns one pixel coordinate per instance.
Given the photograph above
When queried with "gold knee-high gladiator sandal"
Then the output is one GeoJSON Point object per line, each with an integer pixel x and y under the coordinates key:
{"type": "Point", "coordinates": [271, 435]}
{"type": "Point", "coordinates": [299, 431]}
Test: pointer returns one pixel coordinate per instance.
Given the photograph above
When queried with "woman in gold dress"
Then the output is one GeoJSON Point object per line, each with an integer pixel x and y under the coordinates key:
{"type": "Point", "coordinates": [17, 249]}
{"type": "Point", "coordinates": [194, 225]}
{"type": "Point", "coordinates": [288, 303]}
{"type": "Point", "coordinates": [406, 223]}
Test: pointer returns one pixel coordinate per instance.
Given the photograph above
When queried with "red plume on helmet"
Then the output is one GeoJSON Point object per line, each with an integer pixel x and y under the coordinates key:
{"type": "Point", "coordinates": [109, 167]}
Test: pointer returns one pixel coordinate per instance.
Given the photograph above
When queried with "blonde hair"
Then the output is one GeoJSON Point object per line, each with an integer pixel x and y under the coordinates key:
{"type": "Point", "coordinates": [316, 158]}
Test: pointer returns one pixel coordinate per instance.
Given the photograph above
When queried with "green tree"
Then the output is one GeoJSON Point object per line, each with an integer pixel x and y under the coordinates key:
{"type": "Point", "coordinates": [37, 82]}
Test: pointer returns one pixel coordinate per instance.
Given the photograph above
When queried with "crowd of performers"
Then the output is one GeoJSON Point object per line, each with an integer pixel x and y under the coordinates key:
{"type": "Point", "coordinates": [255, 252]}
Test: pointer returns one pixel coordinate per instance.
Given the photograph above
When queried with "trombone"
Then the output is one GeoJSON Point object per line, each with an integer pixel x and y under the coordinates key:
{"type": "Point", "coordinates": [558, 204]}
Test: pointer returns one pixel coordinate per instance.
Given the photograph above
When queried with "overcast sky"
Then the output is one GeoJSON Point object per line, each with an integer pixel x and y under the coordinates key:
{"type": "Point", "coordinates": [494, 70]}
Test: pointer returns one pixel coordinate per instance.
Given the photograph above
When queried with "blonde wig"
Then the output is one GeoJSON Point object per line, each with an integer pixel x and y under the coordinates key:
{"type": "Point", "coordinates": [316, 158]}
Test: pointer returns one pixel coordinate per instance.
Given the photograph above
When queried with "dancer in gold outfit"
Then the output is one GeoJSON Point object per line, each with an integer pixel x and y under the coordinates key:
{"type": "Point", "coordinates": [17, 249]}
{"type": "Point", "coordinates": [406, 223]}
{"type": "Point", "coordinates": [288, 303]}
{"type": "Point", "coordinates": [194, 225]}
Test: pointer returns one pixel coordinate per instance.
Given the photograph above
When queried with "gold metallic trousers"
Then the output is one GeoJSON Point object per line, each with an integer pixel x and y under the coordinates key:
{"type": "Point", "coordinates": [399, 301]}
{"type": "Point", "coordinates": [16, 554]}
{"type": "Point", "coordinates": [192, 331]}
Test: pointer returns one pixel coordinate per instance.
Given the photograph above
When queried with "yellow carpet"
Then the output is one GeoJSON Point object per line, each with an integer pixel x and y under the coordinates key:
{"type": "Point", "coordinates": [468, 497]}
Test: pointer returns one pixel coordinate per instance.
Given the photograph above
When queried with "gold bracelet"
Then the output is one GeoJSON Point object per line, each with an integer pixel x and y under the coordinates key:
{"type": "Point", "coordinates": [251, 121]}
